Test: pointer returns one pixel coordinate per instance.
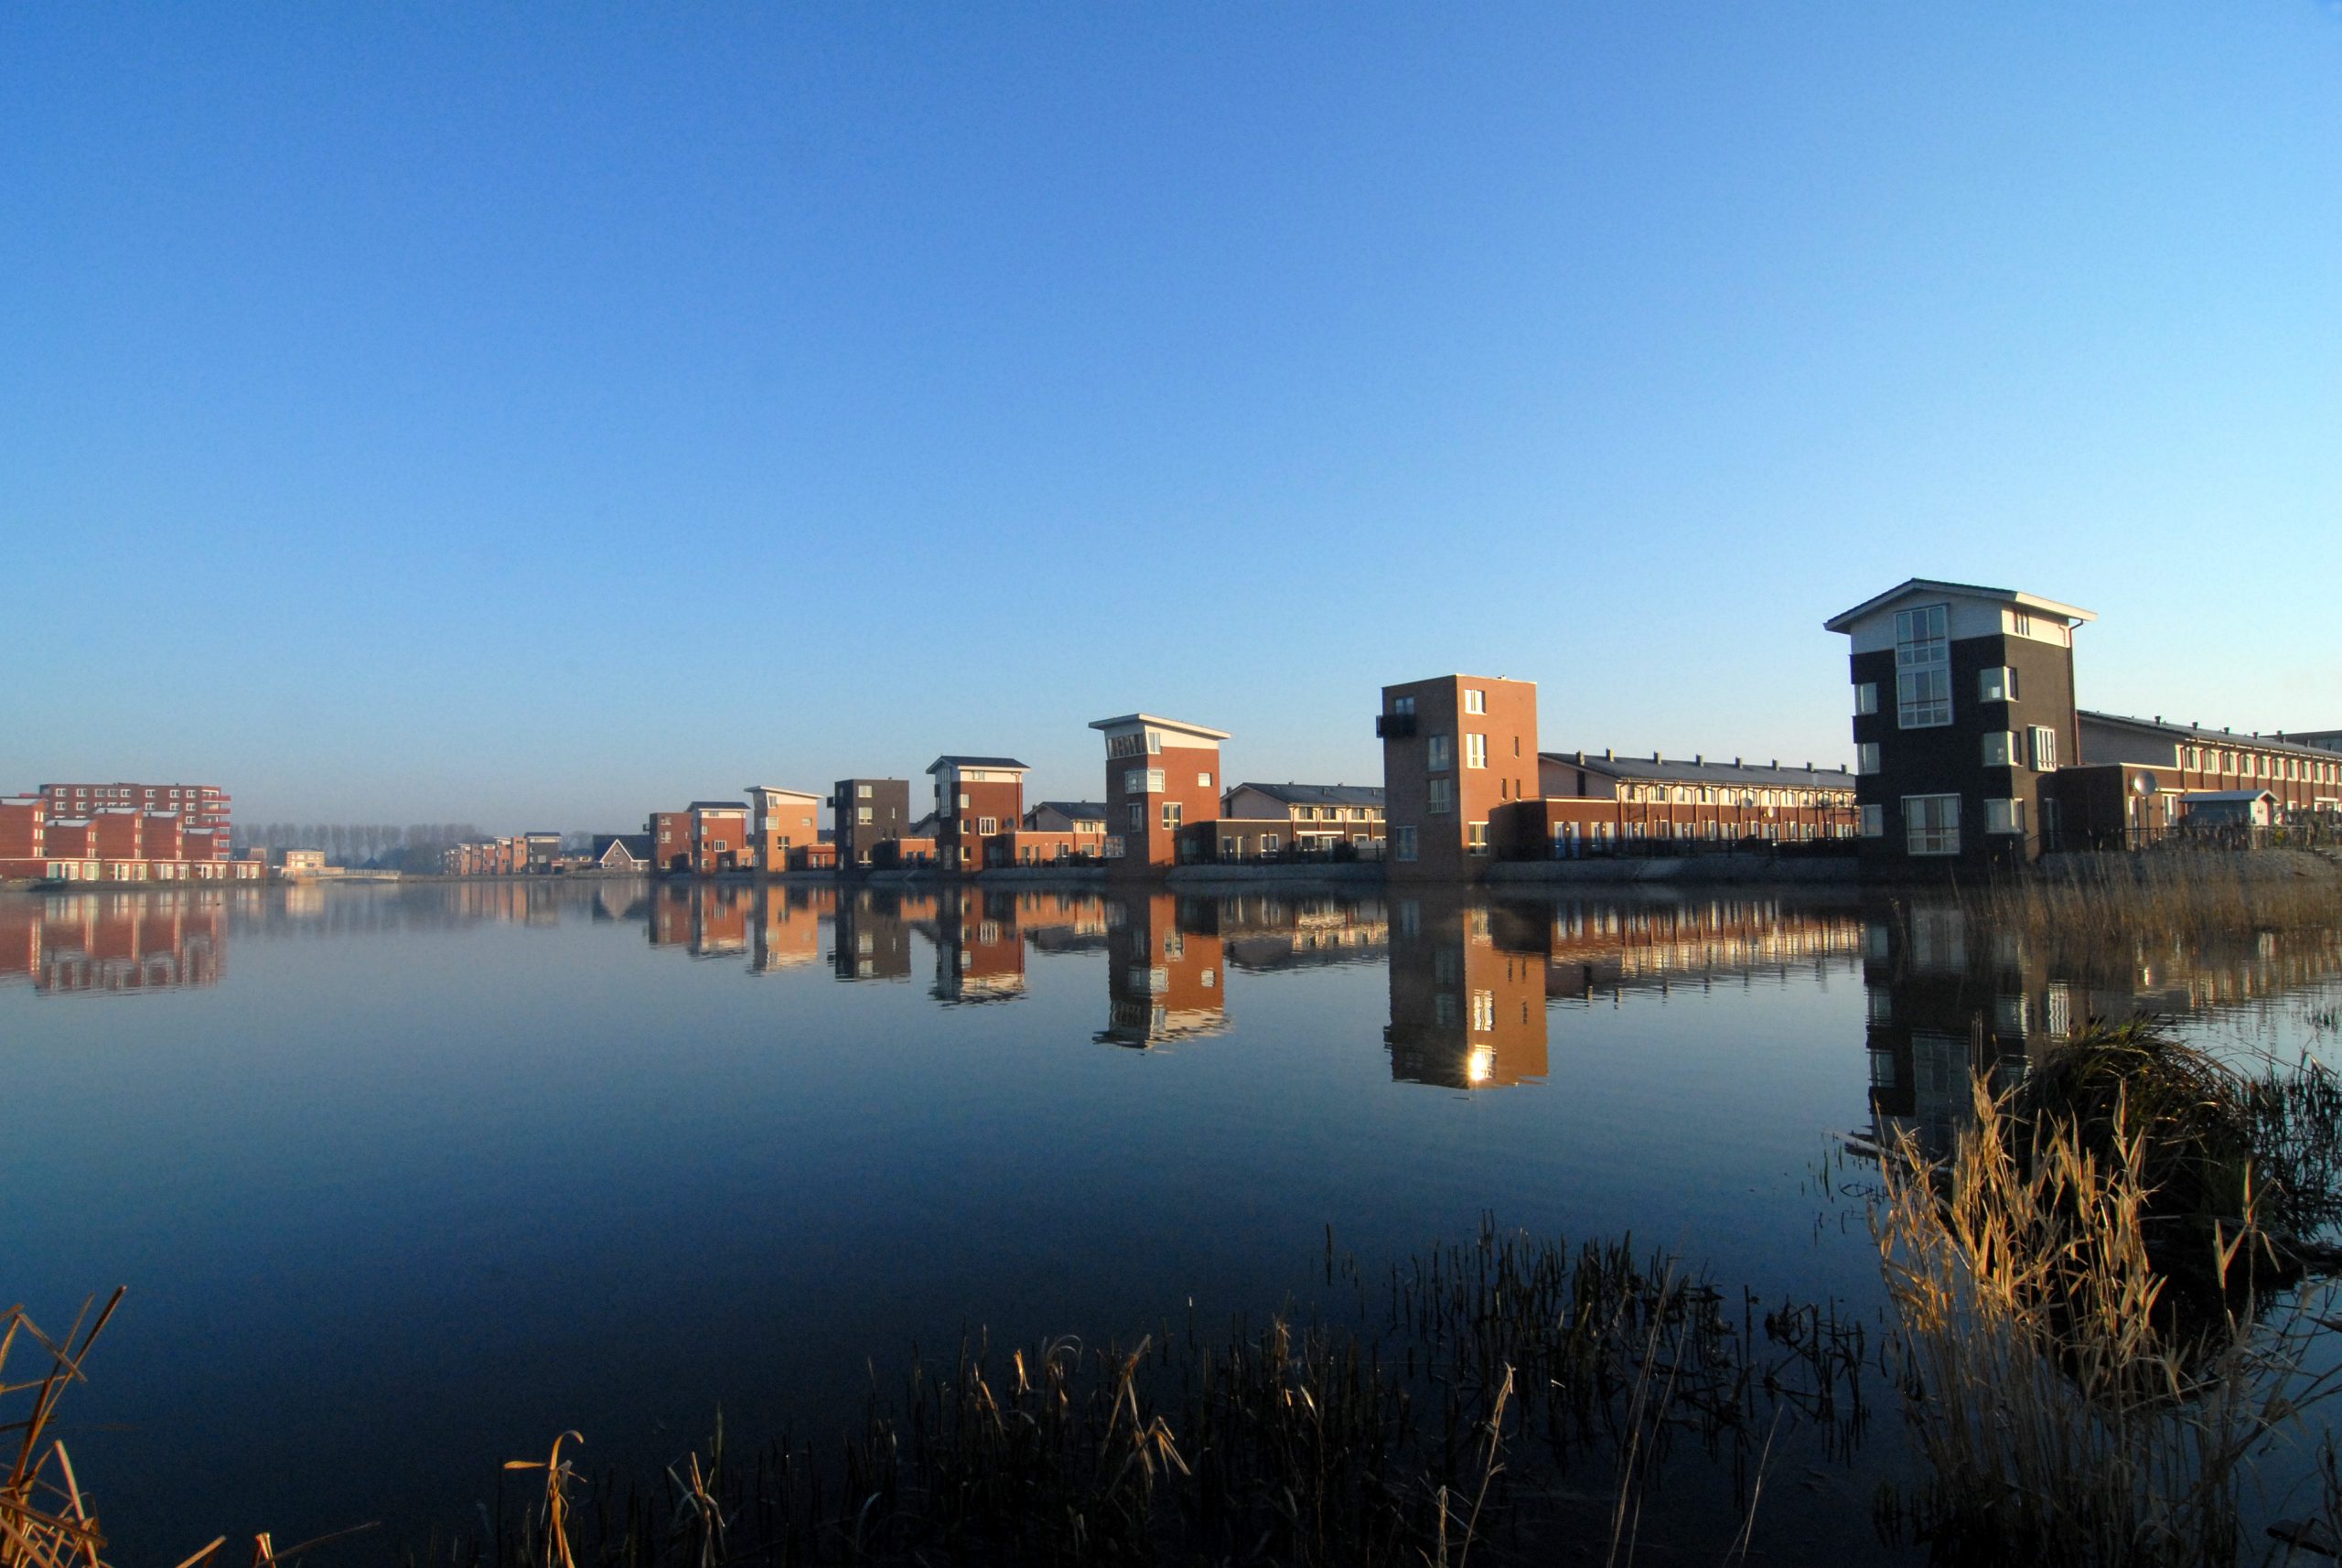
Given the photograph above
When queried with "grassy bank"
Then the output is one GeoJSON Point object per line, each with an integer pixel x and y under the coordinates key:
{"type": "Point", "coordinates": [2168, 893]}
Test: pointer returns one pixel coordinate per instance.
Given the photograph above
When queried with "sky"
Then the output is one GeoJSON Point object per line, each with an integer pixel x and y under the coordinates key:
{"type": "Point", "coordinates": [535, 416]}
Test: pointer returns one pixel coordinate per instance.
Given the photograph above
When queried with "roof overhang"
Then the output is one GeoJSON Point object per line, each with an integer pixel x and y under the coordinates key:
{"type": "Point", "coordinates": [1131, 722]}
{"type": "Point", "coordinates": [1931, 588]}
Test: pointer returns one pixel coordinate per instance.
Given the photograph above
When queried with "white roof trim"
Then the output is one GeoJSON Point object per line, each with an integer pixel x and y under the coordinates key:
{"type": "Point", "coordinates": [1155, 721]}
{"type": "Point", "coordinates": [1914, 587]}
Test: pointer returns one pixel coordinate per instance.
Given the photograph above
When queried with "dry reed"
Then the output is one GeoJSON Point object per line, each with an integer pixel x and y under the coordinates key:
{"type": "Point", "coordinates": [2172, 892]}
{"type": "Point", "coordinates": [2060, 1421]}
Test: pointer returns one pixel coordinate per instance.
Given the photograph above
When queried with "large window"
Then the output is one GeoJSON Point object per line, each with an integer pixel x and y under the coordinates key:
{"type": "Point", "coordinates": [1170, 816]}
{"type": "Point", "coordinates": [1442, 796]}
{"type": "Point", "coordinates": [1867, 757]}
{"type": "Point", "coordinates": [1997, 685]}
{"type": "Point", "coordinates": [1476, 751]}
{"type": "Point", "coordinates": [1476, 837]}
{"type": "Point", "coordinates": [2042, 742]}
{"type": "Point", "coordinates": [1438, 753]}
{"type": "Point", "coordinates": [2005, 816]}
{"type": "Point", "coordinates": [1931, 825]}
{"type": "Point", "coordinates": [2001, 749]}
{"type": "Point", "coordinates": [1143, 781]}
{"type": "Point", "coordinates": [1138, 816]}
{"type": "Point", "coordinates": [1403, 842]}
{"type": "Point", "coordinates": [1923, 667]}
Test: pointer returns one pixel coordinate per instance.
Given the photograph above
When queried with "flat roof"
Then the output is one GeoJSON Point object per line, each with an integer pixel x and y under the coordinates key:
{"type": "Point", "coordinates": [949, 760]}
{"type": "Point", "coordinates": [1156, 721]}
{"type": "Point", "coordinates": [1911, 588]}
{"type": "Point", "coordinates": [775, 790]}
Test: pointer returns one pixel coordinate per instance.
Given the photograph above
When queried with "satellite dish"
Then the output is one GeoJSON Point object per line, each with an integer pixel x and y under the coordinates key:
{"type": "Point", "coordinates": [2143, 784]}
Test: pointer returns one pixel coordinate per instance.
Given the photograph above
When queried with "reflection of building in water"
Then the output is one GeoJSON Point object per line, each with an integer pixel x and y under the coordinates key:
{"type": "Point", "coordinates": [1467, 993]}
{"type": "Point", "coordinates": [873, 932]}
{"type": "Point", "coordinates": [1605, 946]}
{"type": "Point", "coordinates": [1946, 997]}
{"type": "Point", "coordinates": [1286, 930]}
{"type": "Point", "coordinates": [789, 925]}
{"type": "Point", "coordinates": [978, 956]}
{"type": "Point", "coordinates": [1166, 971]}
{"type": "Point", "coordinates": [707, 919]}
{"type": "Point", "coordinates": [92, 942]}
{"type": "Point", "coordinates": [1062, 921]}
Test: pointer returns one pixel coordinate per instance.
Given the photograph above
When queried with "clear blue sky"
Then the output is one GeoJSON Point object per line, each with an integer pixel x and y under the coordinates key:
{"type": "Point", "coordinates": [536, 415]}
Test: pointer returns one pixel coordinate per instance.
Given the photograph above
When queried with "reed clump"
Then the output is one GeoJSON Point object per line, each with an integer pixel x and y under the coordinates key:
{"type": "Point", "coordinates": [1439, 1438]}
{"type": "Point", "coordinates": [2066, 1415]}
{"type": "Point", "coordinates": [2171, 892]}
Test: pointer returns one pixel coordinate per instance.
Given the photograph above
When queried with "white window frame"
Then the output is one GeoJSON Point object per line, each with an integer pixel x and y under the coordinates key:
{"type": "Point", "coordinates": [2041, 748]}
{"type": "Point", "coordinates": [2003, 749]}
{"type": "Point", "coordinates": [1475, 701]}
{"type": "Point", "coordinates": [1866, 697]}
{"type": "Point", "coordinates": [1476, 838]}
{"type": "Point", "coordinates": [1867, 757]}
{"type": "Point", "coordinates": [1476, 751]}
{"type": "Point", "coordinates": [1996, 684]}
{"type": "Point", "coordinates": [2004, 815]}
{"type": "Point", "coordinates": [1931, 825]}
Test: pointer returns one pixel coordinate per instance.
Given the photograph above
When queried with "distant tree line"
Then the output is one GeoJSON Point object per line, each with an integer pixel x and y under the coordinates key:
{"type": "Point", "coordinates": [381, 844]}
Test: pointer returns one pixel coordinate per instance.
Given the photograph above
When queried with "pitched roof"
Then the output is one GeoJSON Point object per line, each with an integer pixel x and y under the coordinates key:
{"type": "Point", "coordinates": [1699, 770]}
{"type": "Point", "coordinates": [1093, 810]}
{"type": "Point", "coordinates": [636, 844]}
{"type": "Point", "coordinates": [1316, 794]}
{"type": "Point", "coordinates": [949, 760]}
{"type": "Point", "coordinates": [1914, 587]}
{"type": "Point", "coordinates": [2203, 736]}
{"type": "Point", "coordinates": [2193, 797]}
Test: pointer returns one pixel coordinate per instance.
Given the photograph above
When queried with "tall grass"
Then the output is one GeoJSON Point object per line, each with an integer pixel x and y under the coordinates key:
{"type": "Point", "coordinates": [2170, 891]}
{"type": "Point", "coordinates": [2064, 1416]}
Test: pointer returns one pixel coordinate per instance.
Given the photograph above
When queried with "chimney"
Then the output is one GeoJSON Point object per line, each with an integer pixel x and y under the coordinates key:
{"type": "Point", "coordinates": [1776, 762]}
{"type": "Point", "coordinates": [1699, 759]}
{"type": "Point", "coordinates": [1606, 756]}
{"type": "Point", "coordinates": [1581, 756]}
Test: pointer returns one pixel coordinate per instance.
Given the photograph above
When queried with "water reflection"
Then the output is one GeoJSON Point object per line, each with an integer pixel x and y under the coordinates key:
{"type": "Point", "coordinates": [91, 943]}
{"type": "Point", "coordinates": [1946, 999]}
{"type": "Point", "coordinates": [1167, 971]}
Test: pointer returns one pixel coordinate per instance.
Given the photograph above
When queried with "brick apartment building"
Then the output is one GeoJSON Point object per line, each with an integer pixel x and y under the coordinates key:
{"type": "Point", "coordinates": [975, 797]}
{"type": "Point", "coordinates": [1259, 820]}
{"type": "Point", "coordinates": [108, 832]}
{"type": "Point", "coordinates": [1593, 803]}
{"type": "Point", "coordinates": [784, 828]}
{"type": "Point", "coordinates": [865, 813]}
{"type": "Point", "coordinates": [1163, 785]}
{"type": "Point", "coordinates": [1460, 774]}
{"type": "Point", "coordinates": [1964, 706]}
{"type": "Point", "coordinates": [1973, 751]}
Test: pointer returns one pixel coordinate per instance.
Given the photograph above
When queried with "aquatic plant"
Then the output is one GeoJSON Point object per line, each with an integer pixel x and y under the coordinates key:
{"type": "Point", "coordinates": [2063, 1416]}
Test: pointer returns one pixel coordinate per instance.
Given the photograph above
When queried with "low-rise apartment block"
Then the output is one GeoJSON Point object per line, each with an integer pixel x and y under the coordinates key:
{"type": "Point", "coordinates": [1459, 771]}
{"type": "Point", "coordinates": [1261, 820]}
{"type": "Point", "coordinates": [865, 813]}
{"type": "Point", "coordinates": [975, 797]}
{"type": "Point", "coordinates": [1163, 784]}
{"type": "Point", "coordinates": [784, 827]}
{"type": "Point", "coordinates": [1593, 804]}
{"type": "Point", "coordinates": [1964, 706]}
{"type": "Point", "coordinates": [120, 838]}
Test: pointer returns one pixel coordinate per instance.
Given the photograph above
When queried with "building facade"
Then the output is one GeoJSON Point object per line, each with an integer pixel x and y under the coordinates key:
{"type": "Point", "coordinates": [1163, 785]}
{"type": "Point", "coordinates": [1963, 707]}
{"type": "Point", "coordinates": [1460, 773]}
{"type": "Point", "coordinates": [784, 826]}
{"type": "Point", "coordinates": [1261, 820]}
{"type": "Point", "coordinates": [865, 813]}
{"type": "Point", "coordinates": [1595, 804]}
{"type": "Point", "coordinates": [975, 797]}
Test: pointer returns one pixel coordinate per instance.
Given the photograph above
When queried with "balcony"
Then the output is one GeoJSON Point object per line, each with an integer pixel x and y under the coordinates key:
{"type": "Point", "coordinates": [1394, 727]}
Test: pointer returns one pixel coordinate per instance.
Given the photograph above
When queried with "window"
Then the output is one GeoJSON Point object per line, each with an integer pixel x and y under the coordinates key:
{"type": "Point", "coordinates": [1403, 842]}
{"type": "Point", "coordinates": [2001, 749]}
{"type": "Point", "coordinates": [1997, 685]}
{"type": "Point", "coordinates": [1867, 757]}
{"type": "Point", "coordinates": [1437, 754]}
{"type": "Point", "coordinates": [1474, 700]}
{"type": "Point", "coordinates": [1476, 837]}
{"type": "Point", "coordinates": [1143, 781]}
{"type": "Point", "coordinates": [1931, 825]}
{"type": "Point", "coordinates": [2005, 816]}
{"type": "Point", "coordinates": [1113, 847]}
{"type": "Point", "coordinates": [963, 799]}
{"type": "Point", "coordinates": [1138, 816]}
{"type": "Point", "coordinates": [1405, 707]}
{"type": "Point", "coordinates": [2020, 623]}
{"type": "Point", "coordinates": [1170, 816]}
{"type": "Point", "coordinates": [1121, 745]}
{"type": "Point", "coordinates": [1269, 844]}
{"type": "Point", "coordinates": [2042, 743]}
{"type": "Point", "coordinates": [862, 816]}
{"type": "Point", "coordinates": [1922, 667]}
{"type": "Point", "coordinates": [1866, 697]}
{"type": "Point", "coordinates": [1203, 780]}
{"type": "Point", "coordinates": [1442, 797]}
{"type": "Point", "coordinates": [988, 824]}
{"type": "Point", "coordinates": [1476, 751]}
{"type": "Point", "coordinates": [862, 791]}
{"type": "Point", "coordinates": [1484, 1011]}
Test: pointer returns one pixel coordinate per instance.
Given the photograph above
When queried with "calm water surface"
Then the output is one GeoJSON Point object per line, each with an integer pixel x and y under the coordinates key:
{"type": "Point", "coordinates": [405, 1180]}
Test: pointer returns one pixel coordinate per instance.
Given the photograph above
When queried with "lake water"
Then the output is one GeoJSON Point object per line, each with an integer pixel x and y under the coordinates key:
{"type": "Point", "coordinates": [405, 1180]}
